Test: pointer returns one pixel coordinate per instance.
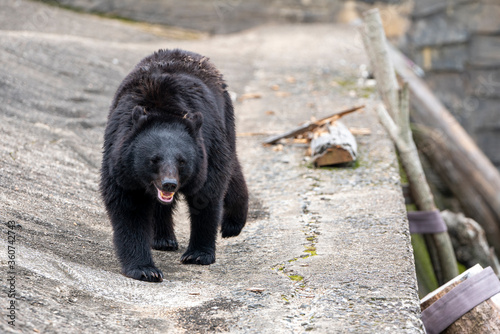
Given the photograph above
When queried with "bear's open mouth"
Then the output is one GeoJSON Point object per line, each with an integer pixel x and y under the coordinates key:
{"type": "Point", "coordinates": [165, 196]}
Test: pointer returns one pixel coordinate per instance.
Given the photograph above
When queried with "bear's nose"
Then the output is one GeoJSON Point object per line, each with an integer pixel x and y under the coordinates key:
{"type": "Point", "coordinates": [169, 185]}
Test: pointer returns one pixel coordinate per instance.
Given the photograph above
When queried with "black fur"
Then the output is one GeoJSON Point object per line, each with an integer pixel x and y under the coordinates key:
{"type": "Point", "coordinates": [171, 119]}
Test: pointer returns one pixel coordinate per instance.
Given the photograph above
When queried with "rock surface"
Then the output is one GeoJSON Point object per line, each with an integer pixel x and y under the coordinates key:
{"type": "Point", "coordinates": [219, 16]}
{"type": "Point", "coordinates": [323, 251]}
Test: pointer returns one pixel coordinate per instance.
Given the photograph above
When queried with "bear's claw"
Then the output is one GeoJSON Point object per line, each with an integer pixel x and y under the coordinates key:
{"type": "Point", "coordinates": [198, 257]}
{"type": "Point", "coordinates": [144, 273]}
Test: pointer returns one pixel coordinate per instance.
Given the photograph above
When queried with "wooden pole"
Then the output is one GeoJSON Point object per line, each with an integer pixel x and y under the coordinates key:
{"type": "Point", "coordinates": [439, 244]}
{"type": "Point", "coordinates": [387, 84]}
{"type": "Point", "coordinates": [397, 124]}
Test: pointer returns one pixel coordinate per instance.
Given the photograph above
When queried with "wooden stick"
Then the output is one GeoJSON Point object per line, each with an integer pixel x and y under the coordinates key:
{"type": "Point", "coordinates": [439, 244]}
{"type": "Point", "coordinates": [309, 126]}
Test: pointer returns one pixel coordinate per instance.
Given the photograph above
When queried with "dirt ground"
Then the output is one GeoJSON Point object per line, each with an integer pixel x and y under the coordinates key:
{"type": "Point", "coordinates": [323, 251]}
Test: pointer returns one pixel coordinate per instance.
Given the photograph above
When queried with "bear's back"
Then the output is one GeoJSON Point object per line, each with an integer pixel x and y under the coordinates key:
{"type": "Point", "coordinates": [181, 66]}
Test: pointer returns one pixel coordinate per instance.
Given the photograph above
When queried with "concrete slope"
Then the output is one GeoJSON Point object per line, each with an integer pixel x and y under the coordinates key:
{"type": "Point", "coordinates": [328, 250]}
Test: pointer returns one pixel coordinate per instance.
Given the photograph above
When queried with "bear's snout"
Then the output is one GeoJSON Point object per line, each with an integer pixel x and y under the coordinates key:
{"type": "Point", "coordinates": [168, 185]}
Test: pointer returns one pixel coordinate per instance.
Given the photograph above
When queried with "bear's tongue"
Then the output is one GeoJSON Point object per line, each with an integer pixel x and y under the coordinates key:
{"type": "Point", "coordinates": [165, 196]}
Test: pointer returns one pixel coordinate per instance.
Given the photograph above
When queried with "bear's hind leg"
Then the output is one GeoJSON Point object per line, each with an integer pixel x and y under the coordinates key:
{"type": "Point", "coordinates": [235, 204]}
{"type": "Point", "coordinates": [164, 235]}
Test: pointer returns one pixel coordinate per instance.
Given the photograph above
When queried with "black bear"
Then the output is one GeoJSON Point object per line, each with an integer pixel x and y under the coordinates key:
{"type": "Point", "coordinates": [171, 131]}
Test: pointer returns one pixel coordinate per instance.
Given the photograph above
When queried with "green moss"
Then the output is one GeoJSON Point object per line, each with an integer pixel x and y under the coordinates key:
{"type": "Point", "coordinates": [426, 278]}
{"type": "Point", "coordinates": [296, 278]}
{"type": "Point", "coordinates": [311, 250]}
{"type": "Point", "coordinates": [411, 207]}
{"type": "Point", "coordinates": [461, 268]}
{"type": "Point", "coordinates": [402, 172]}
{"type": "Point", "coordinates": [280, 267]}
{"type": "Point", "coordinates": [366, 92]}
{"type": "Point", "coordinates": [347, 83]}
{"type": "Point", "coordinates": [309, 164]}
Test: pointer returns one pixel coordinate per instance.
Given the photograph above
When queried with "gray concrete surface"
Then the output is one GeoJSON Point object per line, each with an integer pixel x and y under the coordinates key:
{"type": "Point", "coordinates": [328, 249]}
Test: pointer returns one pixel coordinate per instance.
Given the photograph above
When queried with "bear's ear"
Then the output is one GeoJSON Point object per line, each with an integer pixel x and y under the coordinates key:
{"type": "Point", "coordinates": [197, 120]}
{"type": "Point", "coordinates": [139, 116]}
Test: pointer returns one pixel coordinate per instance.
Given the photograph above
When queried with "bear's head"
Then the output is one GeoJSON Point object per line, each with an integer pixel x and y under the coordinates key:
{"type": "Point", "coordinates": [168, 156]}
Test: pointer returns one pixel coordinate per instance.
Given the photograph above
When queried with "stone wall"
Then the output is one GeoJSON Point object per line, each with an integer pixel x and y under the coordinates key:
{"type": "Point", "coordinates": [457, 43]}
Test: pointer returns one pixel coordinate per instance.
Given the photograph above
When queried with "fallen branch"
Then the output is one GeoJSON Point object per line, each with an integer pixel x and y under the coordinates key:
{"type": "Point", "coordinates": [310, 126]}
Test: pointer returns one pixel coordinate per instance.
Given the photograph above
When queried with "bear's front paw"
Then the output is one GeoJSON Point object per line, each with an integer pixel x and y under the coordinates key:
{"type": "Point", "coordinates": [144, 273]}
{"type": "Point", "coordinates": [198, 257]}
{"type": "Point", "coordinates": [165, 244]}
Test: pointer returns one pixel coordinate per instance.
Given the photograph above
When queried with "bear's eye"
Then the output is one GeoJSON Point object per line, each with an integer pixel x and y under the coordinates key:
{"type": "Point", "coordinates": [181, 162]}
{"type": "Point", "coordinates": [156, 159]}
